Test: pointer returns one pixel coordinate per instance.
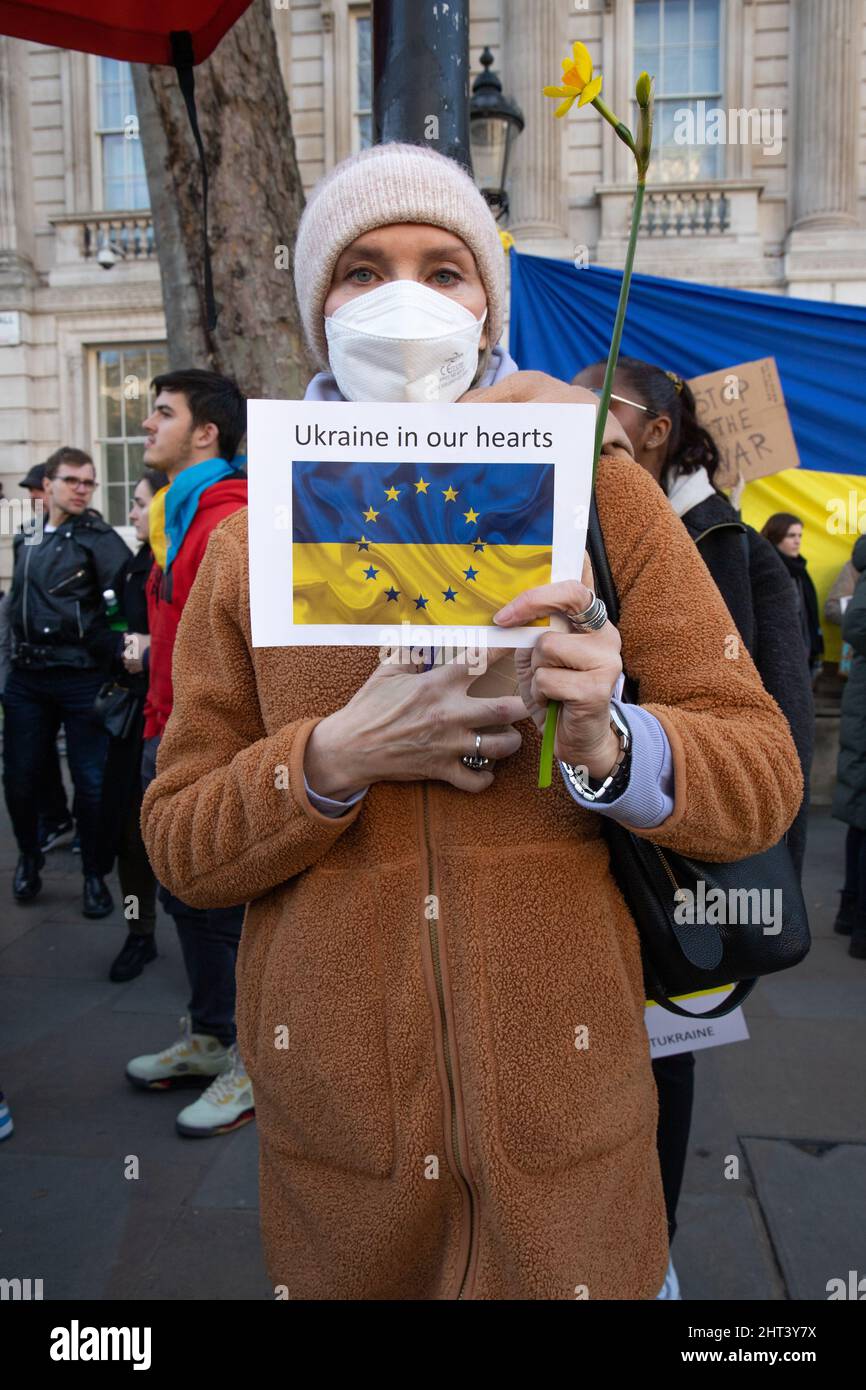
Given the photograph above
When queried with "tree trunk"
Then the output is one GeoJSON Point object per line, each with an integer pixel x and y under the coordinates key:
{"type": "Point", "coordinates": [255, 200]}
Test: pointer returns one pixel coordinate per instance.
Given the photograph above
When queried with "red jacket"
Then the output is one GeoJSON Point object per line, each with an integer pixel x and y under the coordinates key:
{"type": "Point", "coordinates": [167, 594]}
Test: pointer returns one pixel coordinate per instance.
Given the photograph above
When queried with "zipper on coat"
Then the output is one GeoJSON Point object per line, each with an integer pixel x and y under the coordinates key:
{"type": "Point", "coordinates": [78, 616]}
{"type": "Point", "coordinates": [68, 580]}
{"type": "Point", "coordinates": [433, 932]}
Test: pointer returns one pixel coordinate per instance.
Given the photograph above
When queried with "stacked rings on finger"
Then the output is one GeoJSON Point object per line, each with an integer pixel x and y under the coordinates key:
{"type": "Point", "coordinates": [593, 618]}
{"type": "Point", "coordinates": [474, 760]}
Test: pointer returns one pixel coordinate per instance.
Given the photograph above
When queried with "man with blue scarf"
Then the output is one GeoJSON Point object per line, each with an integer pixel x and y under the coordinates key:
{"type": "Point", "coordinates": [192, 436]}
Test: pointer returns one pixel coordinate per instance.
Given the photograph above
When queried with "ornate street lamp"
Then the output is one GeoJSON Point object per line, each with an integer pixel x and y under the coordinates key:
{"type": "Point", "coordinates": [495, 121]}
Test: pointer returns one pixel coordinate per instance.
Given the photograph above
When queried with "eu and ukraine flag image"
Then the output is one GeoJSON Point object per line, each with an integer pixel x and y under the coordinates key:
{"type": "Point", "coordinates": [436, 544]}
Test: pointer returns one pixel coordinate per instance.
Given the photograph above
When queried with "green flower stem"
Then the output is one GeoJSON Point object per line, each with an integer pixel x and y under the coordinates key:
{"type": "Point", "coordinates": [619, 126]}
{"type": "Point", "coordinates": [545, 765]}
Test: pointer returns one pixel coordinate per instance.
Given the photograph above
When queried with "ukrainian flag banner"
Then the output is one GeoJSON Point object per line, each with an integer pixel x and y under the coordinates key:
{"type": "Point", "coordinates": [364, 519]}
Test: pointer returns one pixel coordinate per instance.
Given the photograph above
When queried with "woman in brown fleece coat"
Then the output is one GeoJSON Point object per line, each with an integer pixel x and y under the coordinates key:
{"type": "Point", "coordinates": [431, 1130]}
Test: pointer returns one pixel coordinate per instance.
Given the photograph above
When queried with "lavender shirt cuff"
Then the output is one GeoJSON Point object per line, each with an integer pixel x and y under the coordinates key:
{"type": "Point", "coordinates": [327, 806]}
{"type": "Point", "coordinates": [648, 799]}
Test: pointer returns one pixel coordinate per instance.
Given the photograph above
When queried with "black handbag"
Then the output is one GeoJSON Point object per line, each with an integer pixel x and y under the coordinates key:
{"type": "Point", "coordinates": [117, 709]}
{"type": "Point", "coordinates": [682, 956]}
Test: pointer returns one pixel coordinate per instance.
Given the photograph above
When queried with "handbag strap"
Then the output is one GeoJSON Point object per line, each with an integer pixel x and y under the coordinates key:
{"type": "Point", "coordinates": [741, 991]}
{"type": "Point", "coordinates": [605, 588]}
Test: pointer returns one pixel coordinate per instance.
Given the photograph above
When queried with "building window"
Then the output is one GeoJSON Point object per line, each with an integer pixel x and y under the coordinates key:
{"type": "Point", "coordinates": [124, 400]}
{"type": "Point", "coordinates": [121, 163]}
{"type": "Point", "coordinates": [679, 42]}
{"type": "Point", "coordinates": [362, 105]}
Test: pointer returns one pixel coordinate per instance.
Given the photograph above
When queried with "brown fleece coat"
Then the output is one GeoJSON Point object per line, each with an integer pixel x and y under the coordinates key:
{"type": "Point", "coordinates": [432, 1130]}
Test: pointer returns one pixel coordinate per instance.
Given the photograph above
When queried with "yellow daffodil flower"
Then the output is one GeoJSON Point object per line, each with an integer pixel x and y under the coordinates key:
{"type": "Point", "coordinates": [579, 85]}
{"type": "Point", "coordinates": [507, 241]}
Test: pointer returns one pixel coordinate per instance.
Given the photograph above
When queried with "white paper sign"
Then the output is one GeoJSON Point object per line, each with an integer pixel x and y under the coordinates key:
{"type": "Point", "coordinates": [336, 488]}
{"type": "Point", "coordinates": [669, 1033]}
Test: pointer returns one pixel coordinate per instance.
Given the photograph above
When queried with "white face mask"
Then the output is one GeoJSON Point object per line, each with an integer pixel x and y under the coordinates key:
{"type": "Point", "coordinates": [403, 342]}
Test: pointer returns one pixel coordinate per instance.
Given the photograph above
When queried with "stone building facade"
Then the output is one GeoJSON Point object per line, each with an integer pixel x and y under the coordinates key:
{"type": "Point", "coordinates": [778, 204]}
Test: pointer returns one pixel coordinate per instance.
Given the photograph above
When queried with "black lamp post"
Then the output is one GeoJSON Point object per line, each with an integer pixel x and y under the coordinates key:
{"type": "Point", "coordinates": [495, 121]}
{"type": "Point", "coordinates": [421, 74]}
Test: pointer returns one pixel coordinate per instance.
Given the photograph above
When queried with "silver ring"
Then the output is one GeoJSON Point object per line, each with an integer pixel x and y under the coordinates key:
{"type": "Point", "coordinates": [593, 618]}
{"type": "Point", "coordinates": [474, 760]}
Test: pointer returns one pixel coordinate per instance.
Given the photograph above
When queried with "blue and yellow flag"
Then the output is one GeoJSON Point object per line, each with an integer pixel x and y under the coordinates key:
{"type": "Point", "coordinates": [441, 544]}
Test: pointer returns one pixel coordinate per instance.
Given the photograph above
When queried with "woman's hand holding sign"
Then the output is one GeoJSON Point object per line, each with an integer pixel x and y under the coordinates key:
{"type": "Point", "coordinates": [580, 669]}
{"type": "Point", "coordinates": [407, 725]}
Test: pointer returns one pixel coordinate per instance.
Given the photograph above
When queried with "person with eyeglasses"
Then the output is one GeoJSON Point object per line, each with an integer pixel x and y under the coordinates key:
{"type": "Point", "coordinates": [656, 407]}
{"type": "Point", "coordinates": [62, 646]}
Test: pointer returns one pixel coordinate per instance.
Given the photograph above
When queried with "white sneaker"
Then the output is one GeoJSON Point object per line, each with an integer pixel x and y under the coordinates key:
{"type": "Point", "coordinates": [193, 1060]}
{"type": "Point", "coordinates": [671, 1287]}
{"type": "Point", "coordinates": [225, 1105]}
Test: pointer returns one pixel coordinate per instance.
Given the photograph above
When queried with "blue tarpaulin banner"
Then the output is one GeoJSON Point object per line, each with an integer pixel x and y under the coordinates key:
{"type": "Point", "coordinates": [562, 319]}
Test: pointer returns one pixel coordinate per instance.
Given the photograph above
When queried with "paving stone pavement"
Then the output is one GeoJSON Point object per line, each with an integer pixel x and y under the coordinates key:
{"type": "Point", "coordinates": [787, 1104]}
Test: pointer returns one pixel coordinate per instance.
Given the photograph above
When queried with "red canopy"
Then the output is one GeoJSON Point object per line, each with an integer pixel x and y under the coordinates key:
{"type": "Point", "coordinates": [136, 31]}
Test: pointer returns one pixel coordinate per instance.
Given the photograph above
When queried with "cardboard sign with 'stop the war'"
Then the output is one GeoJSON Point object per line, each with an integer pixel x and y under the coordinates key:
{"type": "Point", "coordinates": [743, 408]}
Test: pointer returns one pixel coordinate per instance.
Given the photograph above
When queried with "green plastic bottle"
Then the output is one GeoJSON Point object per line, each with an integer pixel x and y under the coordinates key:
{"type": "Point", "coordinates": [116, 620]}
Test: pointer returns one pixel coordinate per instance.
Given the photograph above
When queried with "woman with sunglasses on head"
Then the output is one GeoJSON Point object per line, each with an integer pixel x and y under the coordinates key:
{"type": "Point", "coordinates": [657, 410]}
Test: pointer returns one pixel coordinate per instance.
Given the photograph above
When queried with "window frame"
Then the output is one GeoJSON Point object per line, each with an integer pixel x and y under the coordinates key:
{"type": "Point", "coordinates": [356, 13]}
{"type": "Point", "coordinates": [97, 134]}
{"type": "Point", "coordinates": [736, 38]}
{"type": "Point", "coordinates": [99, 441]}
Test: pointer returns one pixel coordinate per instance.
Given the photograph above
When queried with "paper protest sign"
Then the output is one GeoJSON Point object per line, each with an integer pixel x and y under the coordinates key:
{"type": "Point", "coordinates": [744, 410]}
{"type": "Point", "coordinates": [669, 1033]}
{"type": "Point", "coordinates": [375, 525]}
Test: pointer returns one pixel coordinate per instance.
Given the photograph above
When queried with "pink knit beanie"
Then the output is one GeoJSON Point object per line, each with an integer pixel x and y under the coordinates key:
{"type": "Point", "coordinates": [375, 188]}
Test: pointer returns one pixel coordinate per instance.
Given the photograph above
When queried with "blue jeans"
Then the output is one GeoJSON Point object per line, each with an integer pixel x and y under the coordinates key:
{"type": "Point", "coordinates": [209, 942]}
{"type": "Point", "coordinates": [35, 703]}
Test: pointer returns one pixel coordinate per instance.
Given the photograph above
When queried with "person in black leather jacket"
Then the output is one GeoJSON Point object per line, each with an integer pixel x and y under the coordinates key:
{"type": "Point", "coordinates": [62, 646]}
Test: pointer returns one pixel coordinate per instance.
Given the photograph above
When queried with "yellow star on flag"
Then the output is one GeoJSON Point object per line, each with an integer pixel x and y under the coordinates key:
{"type": "Point", "coordinates": [370, 515]}
{"type": "Point", "coordinates": [392, 494]}
{"type": "Point", "coordinates": [471, 515]}
{"type": "Point", "coordinates": [450, 495]}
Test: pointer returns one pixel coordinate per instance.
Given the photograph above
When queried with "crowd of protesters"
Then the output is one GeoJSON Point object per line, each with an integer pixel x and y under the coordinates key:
{"type": "Point", "coordinates": [87, 638]}
{"type": "Point", "coordinates": [173, 726]}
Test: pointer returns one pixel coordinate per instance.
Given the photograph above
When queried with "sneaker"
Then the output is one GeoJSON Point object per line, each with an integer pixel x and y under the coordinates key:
{"type": "Point", "coordinates": [671, 1287]}
{"type": "Point", "coordinates": [193, 1060]}
{"type": "Point", "coordinates": [76, 845]}
{"type": "Point", "coordinates": [846, 917]}
{"type": "Point", "coordinates": [224, 1106]}
{"type": "Point", "coordinates": [54, 833]}
{"type": "Point", "coordinates": [134, 955]}
{"type": "Point", "coordinates": [6, 1125]}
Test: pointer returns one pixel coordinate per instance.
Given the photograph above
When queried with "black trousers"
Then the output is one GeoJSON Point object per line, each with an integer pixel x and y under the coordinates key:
{"type": "Point", "coordinates": [855, 865]}
{"type": "Point", "coordinates": [35, 702]}
{"type": "Point", "coordinates": [675, 1082]}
